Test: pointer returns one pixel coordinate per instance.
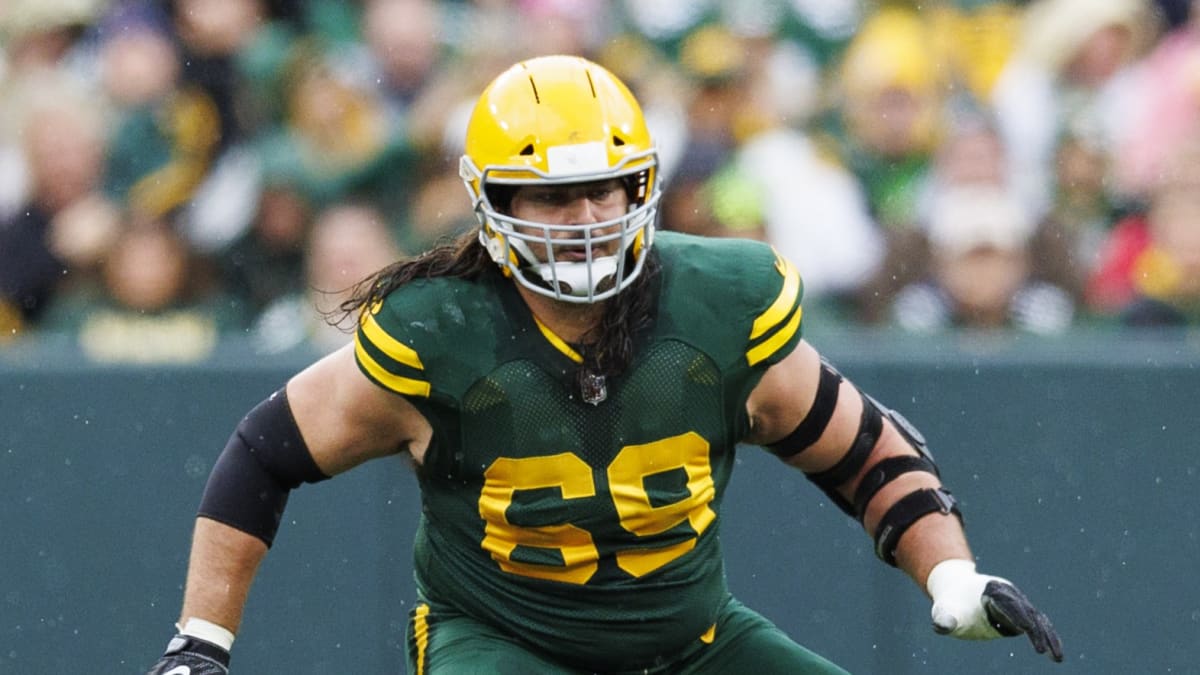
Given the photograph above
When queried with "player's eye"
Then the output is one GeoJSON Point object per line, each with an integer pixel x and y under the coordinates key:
{"type": "Point", "coordinates": [605, 193]}
{"type": "Point", "coordinates": [549, 197]}
{"type": "Point", "coordinates": [602, 194]}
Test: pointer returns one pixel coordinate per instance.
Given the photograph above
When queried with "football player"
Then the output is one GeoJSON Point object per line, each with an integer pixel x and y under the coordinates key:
{"type": "Point", "coordinates": [572, 388]}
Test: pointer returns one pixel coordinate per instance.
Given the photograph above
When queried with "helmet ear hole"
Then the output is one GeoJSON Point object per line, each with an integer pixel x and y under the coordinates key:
{"type": "Point", "coordinates": [618, 141]}
{"type": "Point", "coordinates": [636, 187]}
{"type": "Point", "coordinates": [527, 150]}
{"type": "Point", "coordinates": [630, 183]}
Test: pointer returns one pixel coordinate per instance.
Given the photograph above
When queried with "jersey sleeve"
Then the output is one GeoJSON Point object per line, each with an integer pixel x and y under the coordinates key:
{"type": "Point", "coordinates": [386, 357]}
{"type": "Point", "coordinates": [768, 330]}
{"type": "Point", "coordinates": [736, 300]}
{"type": "Point", "coordinates": [430, 339]}
{"type": "Point", "coordinates": [776, 330]}
{"type": "Point", "coordinates": [754, 319]}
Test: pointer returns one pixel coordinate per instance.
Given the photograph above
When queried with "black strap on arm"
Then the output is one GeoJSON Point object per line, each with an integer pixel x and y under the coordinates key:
{"type": "Point", "coordinates": [870, 426]}
{"type": "Point", "coordinates": [813, 425]}
{"type": "Point", "coordinates": [906, 511]}
{"type": "Point", "coordinates": [265, 458]}
{"type": "Point", "coordinates": [884, 472]}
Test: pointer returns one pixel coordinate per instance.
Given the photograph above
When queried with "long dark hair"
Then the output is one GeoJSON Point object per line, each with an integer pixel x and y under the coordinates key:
{"type": "Point", "coordinates": [608, 348]}
{"type": "Point", "coordinates": [463, 258]}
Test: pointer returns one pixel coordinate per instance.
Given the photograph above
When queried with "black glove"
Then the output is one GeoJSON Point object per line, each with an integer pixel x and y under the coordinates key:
{"type": "Point", "coordinates": [187, 655]}
{"type": "Point", "coordinates": [974, 606]}
{"type": "Point", "coordinates": [1011, 613]}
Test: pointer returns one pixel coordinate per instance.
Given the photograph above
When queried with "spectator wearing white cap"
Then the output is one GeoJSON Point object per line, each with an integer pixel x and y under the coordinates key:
{"type": "Point", "coordinates": [980, 277]}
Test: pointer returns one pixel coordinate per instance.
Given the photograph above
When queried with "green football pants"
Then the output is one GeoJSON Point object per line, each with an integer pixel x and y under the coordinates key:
{"type": "Point", "coordinates": [744, 642]}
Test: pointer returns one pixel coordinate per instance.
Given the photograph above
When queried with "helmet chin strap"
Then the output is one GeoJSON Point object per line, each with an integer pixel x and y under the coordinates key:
{"type": "Point", "coordinates": [572, 277]}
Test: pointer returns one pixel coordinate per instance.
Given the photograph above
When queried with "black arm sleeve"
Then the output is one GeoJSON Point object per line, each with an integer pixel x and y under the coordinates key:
{"type": "Point", "coordinates": [264, 460]}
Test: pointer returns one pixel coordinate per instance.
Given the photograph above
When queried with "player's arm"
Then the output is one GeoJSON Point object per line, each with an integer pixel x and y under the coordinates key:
{"type": "Point", "coordinates": [873, 465]}
{"type": "Point", "coordinates": [329, 418]}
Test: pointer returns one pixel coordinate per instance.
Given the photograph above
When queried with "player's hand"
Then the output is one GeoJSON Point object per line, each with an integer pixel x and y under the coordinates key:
{"type": "Point", "coordinates": [187, 655]}
{"type": "Point", "coordinates": [974, 606]}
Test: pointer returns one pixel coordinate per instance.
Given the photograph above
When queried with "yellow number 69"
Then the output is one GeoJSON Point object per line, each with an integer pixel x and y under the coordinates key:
{"type": "Point", "coordinates": [573, 477]}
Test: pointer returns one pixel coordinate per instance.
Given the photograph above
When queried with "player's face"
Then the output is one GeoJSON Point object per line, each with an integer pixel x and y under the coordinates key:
{"type": "Point", "coordinates": [573, 204]}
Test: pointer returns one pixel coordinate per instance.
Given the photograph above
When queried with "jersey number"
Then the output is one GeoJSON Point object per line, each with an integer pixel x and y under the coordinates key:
{"type": "Point", "coordinates": [573, 477]}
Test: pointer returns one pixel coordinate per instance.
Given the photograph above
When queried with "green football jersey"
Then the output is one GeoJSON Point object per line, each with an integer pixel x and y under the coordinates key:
{"type": "Point", "coordinates": [588, 529]}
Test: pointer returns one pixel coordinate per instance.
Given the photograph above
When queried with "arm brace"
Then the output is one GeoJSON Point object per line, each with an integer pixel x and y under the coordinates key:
{"type": "Point", "coordinates": [813, 425]}
{"type": "Point", "coordinates": [884, 472]}
{"type": "Point", "coordinates": [905, 513]}
{"type": "Point", "coordinates": [870, 426]}
{"type": "Point", "coordinates": [911, 507]}
{"type": "Point", "coordinates": [265, 458]}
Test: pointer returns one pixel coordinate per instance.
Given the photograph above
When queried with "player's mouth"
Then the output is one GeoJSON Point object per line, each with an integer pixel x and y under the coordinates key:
{"type": "Point", "coordinates": [570, 254]}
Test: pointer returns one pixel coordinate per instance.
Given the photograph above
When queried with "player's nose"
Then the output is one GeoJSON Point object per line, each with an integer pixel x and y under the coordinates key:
{"type": "Point", "coordinates": [581, 211]}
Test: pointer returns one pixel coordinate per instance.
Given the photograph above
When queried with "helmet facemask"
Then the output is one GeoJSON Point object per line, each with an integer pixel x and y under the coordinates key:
{"type": "Point", "coordinates": [530, 251]}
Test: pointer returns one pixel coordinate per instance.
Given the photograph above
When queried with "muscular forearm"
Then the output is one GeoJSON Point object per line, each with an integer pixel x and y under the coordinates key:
{"type": "Point", "coordinates": [221, 568]}
{"type": "Point", "coordinates": [930, 540]}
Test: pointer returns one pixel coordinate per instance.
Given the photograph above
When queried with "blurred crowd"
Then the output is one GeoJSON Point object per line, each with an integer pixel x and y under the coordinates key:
{"type": "Point", "coordinates": [176, 171]}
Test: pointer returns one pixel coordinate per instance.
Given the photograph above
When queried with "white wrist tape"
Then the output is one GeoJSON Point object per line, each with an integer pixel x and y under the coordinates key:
{"type": "Point", "coordinates": [209, 632]}
{"type": "Point", "coordinates": [957, 592]}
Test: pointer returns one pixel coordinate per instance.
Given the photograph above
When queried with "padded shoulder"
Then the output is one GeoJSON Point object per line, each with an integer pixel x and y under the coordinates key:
{"type": "Point", "coordinates": [737, 299]}
{"type": "Point", "coordinates": [431, 336]}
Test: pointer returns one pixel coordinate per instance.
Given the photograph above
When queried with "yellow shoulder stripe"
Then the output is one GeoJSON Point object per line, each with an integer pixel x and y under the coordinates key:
{"type": "Point", "coordinates": [776, 341]}
{"type": "Point", "coordinates": [396, 383]}
{"type": "Point", "coordinates": [388, 344]}
{"type": "Point", "coordinates": [783, 304]}
{"type": "Point", "coordinates": [776, 317]}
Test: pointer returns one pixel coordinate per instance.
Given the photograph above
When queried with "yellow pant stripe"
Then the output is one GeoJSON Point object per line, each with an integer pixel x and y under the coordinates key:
{"type": "Point", "coordinates": [421, 635]}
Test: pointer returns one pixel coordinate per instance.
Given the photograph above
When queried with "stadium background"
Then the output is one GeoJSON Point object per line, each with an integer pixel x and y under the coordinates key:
{"type": "Point", "coordinates": [279, 132]}
{"type": "Point", "coordinates": [1075, 462]}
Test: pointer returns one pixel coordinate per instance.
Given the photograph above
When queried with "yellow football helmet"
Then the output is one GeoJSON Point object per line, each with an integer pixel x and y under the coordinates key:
{"type": "Point", "coordinates": [557, 120]}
